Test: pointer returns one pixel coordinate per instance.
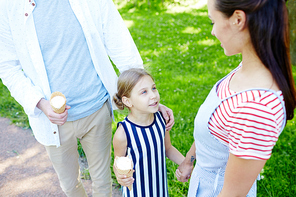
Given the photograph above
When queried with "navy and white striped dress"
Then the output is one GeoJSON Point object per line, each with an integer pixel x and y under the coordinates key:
{"type": "Point", "coordinates": [146, 147]}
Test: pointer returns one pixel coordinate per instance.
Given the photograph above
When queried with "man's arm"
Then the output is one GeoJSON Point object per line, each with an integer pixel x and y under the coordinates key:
{"type": "Point", "coordinates": [118, 41]}
{"type": "Point", "coordinates": [11, 72]}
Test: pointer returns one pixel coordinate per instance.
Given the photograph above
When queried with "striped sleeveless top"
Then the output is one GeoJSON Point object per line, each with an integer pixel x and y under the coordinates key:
{"type": "Point", "coordinates": [146, 147]}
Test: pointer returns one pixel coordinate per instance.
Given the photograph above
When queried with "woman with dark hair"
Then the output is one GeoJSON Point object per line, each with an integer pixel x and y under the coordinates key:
{"type": "Point", "coordinates": [240, 121]}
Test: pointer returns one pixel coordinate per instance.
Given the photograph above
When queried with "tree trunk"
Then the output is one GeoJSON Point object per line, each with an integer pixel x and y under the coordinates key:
{"type": "Point", "coordinates": [292, 20]}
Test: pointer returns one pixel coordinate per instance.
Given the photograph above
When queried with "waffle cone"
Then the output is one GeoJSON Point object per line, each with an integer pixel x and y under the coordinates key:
{"type": "Point", "coordinates": [58, 110]}
{"type": "Point", "coordinates": [128, 173]}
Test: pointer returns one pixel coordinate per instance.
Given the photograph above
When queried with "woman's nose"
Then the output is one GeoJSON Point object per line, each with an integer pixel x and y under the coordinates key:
{"type": "Point", "coordinates": [212, 32]}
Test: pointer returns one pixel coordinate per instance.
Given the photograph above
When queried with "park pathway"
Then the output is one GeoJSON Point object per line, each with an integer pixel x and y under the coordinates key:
{"type": "Point", "coordinates": [25, 169]}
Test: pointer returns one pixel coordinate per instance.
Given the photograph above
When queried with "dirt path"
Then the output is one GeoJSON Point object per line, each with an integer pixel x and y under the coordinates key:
{"type": "Point", "coordinates": [25, 169]}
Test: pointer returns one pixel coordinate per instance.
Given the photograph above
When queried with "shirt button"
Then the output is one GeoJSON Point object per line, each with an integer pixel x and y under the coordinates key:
{"type": "Point", "coordinates": [33, 4]}
{"type": "Point", "coordinates": [29, 0]}
{"type": "Point", "coordinates": [54, 132]}
{"type": "Point", "coordinates": [26, 14]}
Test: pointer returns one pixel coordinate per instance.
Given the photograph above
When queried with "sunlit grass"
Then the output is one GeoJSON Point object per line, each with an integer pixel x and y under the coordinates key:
{"type": "Point", "coordinates": [191, 30]}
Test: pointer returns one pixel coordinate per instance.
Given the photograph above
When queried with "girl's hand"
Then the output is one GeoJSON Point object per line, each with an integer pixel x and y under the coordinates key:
{"type": "Point", "coordinates": [168, 115]}
{"type": "Point", "coordinates": [122, 179]}
{"type": "Point", "coordinates": [183, 173]}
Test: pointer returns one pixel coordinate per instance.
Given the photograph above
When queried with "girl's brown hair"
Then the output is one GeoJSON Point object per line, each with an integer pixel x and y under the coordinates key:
{"type": "Point", "coordinates": [125, 84]}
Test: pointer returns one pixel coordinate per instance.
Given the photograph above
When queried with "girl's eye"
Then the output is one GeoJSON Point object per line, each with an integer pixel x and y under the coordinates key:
{"type": "Point", "coordinates": [144, 92]}
{"type": "Point", "coordinates": [154, 88]}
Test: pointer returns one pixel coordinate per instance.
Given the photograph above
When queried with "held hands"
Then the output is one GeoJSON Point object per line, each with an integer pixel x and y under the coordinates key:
{"type": "Point", "coordinates": [168, 116]}
{"type": "Point", "coordinates": [123, 179]}
{"type": "Point", "coordinates": [59, 119]}
{"type": "Point", "coordinates": [183, 173]}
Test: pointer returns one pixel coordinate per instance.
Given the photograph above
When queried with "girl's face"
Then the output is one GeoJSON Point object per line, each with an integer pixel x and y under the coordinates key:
{"type": "Point", "coordinates": [144, 96]}
{"type": "Point", "coordinates": [223, 29]}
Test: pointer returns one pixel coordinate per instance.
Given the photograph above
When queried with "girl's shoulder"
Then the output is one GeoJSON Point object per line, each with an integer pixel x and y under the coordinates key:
{"type": "Point", "coordinates": [121, 127]}
{"type": "Point", "coordinates": [121, 123]}
{"type": "Point", "coordinates": [159, 115]}
{"type": "Point", "coordinates": [119, 135]}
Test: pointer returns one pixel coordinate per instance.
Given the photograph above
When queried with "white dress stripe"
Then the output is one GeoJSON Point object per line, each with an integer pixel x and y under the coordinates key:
{"type": "Point", "coordinates": [147, 149]}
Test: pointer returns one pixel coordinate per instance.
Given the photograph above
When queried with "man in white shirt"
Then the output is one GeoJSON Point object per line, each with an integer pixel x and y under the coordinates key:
{"type": "Point", "coordinates": [65, 45]}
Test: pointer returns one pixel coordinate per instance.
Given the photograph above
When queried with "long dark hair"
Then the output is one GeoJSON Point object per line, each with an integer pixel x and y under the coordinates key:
{"type": "Point", "coordinates": [267, 21]}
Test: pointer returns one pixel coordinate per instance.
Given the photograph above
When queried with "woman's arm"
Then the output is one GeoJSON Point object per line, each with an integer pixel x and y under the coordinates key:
{"type": "Point", "coordinates": [171, 152]}
{"type": "Point", "coordinates": [120, 147]}
{"type": "Point", "coordinates": [240, 175]}
{"type": "Point", "coordinates": [184, 171]}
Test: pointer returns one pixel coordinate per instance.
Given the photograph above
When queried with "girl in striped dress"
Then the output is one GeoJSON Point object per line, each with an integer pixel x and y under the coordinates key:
{"type": "Point", "coordinates": [241, 119]}
{"type": "Point", "coordinates": [142, 136]}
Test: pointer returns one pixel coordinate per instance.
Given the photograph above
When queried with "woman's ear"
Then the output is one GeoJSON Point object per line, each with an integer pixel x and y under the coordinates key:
{"type": "Point", "coordinates": [239, 19]}
{"type": "Point", "coordinates": [126, 101]}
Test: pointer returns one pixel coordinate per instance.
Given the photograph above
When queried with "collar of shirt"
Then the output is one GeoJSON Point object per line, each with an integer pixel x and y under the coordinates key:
{"type": "Point", "coordinates": [29, 7]}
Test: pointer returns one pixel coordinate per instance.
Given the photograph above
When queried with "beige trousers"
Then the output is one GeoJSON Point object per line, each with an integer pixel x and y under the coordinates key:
{"type": "Point", "coordinates": [95, 133]}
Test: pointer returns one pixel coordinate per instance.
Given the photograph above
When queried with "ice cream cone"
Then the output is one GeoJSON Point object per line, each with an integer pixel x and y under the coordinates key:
{"type": "Point", "coordinates": [58, 107]}
{"type": "Point", "coordinates": [128, 172]}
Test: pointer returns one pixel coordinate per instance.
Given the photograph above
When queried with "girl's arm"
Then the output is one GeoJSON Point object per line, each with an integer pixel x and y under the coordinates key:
{"type": "Point", "coordinates": [184, 171]}
{"type": "Point", "coordinates": [120, 147]}
{"type": "Point", "coordinates": [171, 152]}
{"type": "Point", "coordinates": [240, 175]}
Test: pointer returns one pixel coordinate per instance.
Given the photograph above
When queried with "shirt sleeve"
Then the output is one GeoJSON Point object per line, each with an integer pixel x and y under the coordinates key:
{"type": "Point", "coordinates": [11, 72]}
{"type": "Point", "coordinates": [255, 131]}
{"type": "Point", "coordinates": [118, 41]}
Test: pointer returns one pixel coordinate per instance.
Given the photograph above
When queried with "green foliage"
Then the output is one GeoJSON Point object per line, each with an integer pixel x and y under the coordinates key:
{"type": "Point", "coordinates": [150, 4]}
{"type": "Point", "coordinates": [279, 176]}
{"type": "Point", "coordinates": [9, 108]}
{"type": "Point", "coordinates": [291, 4]}
{"type": "Point", "coordinates": [85, 174]}
{"type": "Point", "coordinates": [80, 149]}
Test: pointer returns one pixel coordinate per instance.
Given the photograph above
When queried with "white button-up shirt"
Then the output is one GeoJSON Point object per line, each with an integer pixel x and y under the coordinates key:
{"type": "Point", "coordinates": [22, 68]}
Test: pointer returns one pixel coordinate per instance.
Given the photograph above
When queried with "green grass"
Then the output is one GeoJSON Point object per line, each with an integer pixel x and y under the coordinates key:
{"type": "Point", "coordinates": [186, 61]}
{"type": "Point", "coordinates": [11, 109]}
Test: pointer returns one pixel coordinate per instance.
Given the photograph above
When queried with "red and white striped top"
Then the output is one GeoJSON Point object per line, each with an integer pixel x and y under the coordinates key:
{"type": "Point", "coordinates": [249, 122]}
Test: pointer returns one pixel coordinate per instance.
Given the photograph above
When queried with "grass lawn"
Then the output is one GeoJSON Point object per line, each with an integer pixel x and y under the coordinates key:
{"type": "Point", "coordinates": [186, 61]}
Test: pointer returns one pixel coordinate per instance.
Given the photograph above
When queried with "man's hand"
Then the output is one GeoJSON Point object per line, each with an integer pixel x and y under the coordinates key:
{"type": "Point", "coordinates": [168, 115]}
{"type": "Point", "coordinates": [59, 119]}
